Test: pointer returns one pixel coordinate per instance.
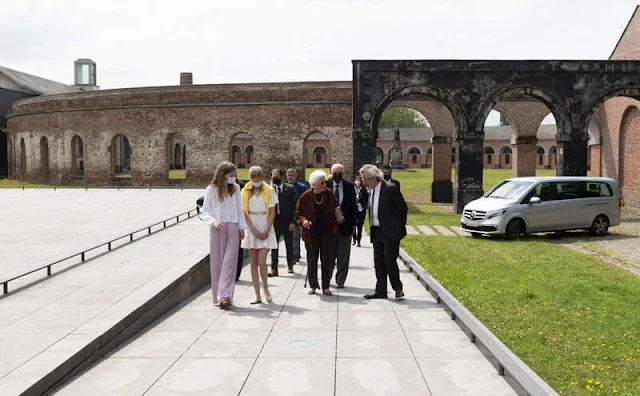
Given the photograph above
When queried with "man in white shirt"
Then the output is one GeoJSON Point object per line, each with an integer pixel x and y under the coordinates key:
{"type": "Point", "coordinates": [387, 221]}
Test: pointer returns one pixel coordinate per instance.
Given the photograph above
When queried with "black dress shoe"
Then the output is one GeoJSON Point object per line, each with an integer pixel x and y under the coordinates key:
{"type": "Point", "coordinates": [399, 294]}
{"type": "Point", "coordinates": [374, 296]}
{"type": "Point", "coordinates": [353, 243]}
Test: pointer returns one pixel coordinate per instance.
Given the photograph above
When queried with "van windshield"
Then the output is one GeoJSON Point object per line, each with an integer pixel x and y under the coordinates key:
{"type": "Point", "coordinates": [509, 189]}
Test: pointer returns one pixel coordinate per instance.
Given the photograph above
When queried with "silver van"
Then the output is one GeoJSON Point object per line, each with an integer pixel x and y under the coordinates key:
{"type": "Point", "coordinates": [539, 204]}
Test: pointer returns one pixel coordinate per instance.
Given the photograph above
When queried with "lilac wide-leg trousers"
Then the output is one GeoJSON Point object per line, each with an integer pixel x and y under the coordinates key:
{"type": "Point", "coordinates": [223, 259]}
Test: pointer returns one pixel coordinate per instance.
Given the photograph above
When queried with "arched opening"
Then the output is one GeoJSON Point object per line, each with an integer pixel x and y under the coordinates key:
{"type": "Point", "coordinates": [505, 157]}
{"type": "Point", "coordinates": [453, 156]}
{"type": "Point", "coordinates": [414, 158]}
{"type": "Point", "coordinates": [249, 154]}
{"type": "Point", "coordinates": [238, 146]}
{"type": "Point", "coordinates": [121, 156]}
{"type": "Point", "coordinates": [175, 157]}
{"type": "Point", "coordinates": [552, 157]}
{"type": "Point", "coordinates": [540, 154]}
{"type": "Point", "coordinates": [23, 160]}
{"type": "Point", "coordinates": [418, 142]}
{"type": "Point", "coordinates": [77, 157]}
{"type": "Point", "coordinates": [489, 154]}
{"type": "Point", "coordinates": [318, 146]}
{"type": "Point", "coordinates": [630, 143]}
{"type": "Point", "coordinates": [44, 158]}
{"type": "Point", "coordinates": [10, 170]}
{"type": "Point", "coordinates": [379, 157]}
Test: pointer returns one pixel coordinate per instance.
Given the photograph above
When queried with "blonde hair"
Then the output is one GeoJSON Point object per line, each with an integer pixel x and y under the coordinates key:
{"type": "Point", "coordinates": [256, 171]}
{"type": "Point", "coordinates": [220, 180]}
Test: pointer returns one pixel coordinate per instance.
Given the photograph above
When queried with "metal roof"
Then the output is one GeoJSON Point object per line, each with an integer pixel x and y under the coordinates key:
{"type": "Point", "coordinates": [35, 85]}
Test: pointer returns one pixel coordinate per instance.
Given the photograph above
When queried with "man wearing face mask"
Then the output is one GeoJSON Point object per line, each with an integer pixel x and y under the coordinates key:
{"type": "Point", "coordinates": [346, 197]}
{"type": "Point", "coordinates": [386, 171]}
{"type": "Point", "coordinates": [285, 221]}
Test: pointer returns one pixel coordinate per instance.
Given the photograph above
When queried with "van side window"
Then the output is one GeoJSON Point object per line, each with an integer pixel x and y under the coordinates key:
{"type": "Point", "coordinates": [597, 189]}
{"type": "Point", "coordinates": [545, 191]}
{"type": "Point", "coordinates": [569, 190]}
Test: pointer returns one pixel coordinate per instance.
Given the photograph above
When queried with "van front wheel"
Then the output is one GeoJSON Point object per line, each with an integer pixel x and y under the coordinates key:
{"type": "Point", "coordinates": [600, 226]}
{"type": "Point", "coordinates": [515, 229]}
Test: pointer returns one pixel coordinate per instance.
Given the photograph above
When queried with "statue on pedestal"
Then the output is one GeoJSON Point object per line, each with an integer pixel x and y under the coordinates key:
{"type": "Point", "coordinates": [396, 161]}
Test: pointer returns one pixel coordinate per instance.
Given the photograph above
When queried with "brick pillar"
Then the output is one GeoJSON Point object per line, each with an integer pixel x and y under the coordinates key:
{"type": "Point", "coordinates": [468, 169]}
{"type": "Point", "coordinates": [596, 163]}
{"type": "Point", "coordinates": [441, 185]}
{"type": "Point", "coordinates": [524, 156]}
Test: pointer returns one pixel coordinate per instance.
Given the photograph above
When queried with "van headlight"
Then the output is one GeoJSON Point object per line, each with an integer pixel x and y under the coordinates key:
{"type": "Point", "coordinates": [496, 213]}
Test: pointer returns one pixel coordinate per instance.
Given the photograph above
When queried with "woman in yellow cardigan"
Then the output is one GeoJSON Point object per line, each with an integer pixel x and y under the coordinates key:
{"type": "Point", "coordinates": [258, 202]}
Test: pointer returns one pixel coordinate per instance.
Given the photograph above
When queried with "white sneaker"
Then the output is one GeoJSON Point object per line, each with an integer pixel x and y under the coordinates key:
{"type": "Point", "coordinates": [311, 291]}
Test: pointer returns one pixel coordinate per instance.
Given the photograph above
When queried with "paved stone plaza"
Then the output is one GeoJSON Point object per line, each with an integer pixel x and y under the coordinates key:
{"type": "Point", "coordinates": [300, 345]}
{"type": "Point", "coordinates": [40, 225]}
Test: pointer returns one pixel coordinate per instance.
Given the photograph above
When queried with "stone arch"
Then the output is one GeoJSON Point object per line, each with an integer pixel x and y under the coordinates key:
{"type": "Point", "coordinates": [429, 156]}
{"type": "Point", "coordinates": [320, 156]}
{"type": "Point", "coordinates": [10, 158]}
{"type": "Point", "coordinates": [248, 151]}
{"type": "Point", "coordinates": [587, 115]}
{"type": "Point", "coordinates": [177, 156]}
{"type": "Point", "coordinates": [120, 156]}
{"type": "Point", "coordinates": [629, 178]}
{"type": "Point", "coordinates": [237, 149]}
{"type": "Point", "coordinates": [77, 157]}
{"type": "Point", "coordinates": [23, 160]}
{"type": "Point", "coordinates": [540, 155]}
{"type": "Point", "coordinates": [555, 105]}
{"type": "Point", "coordinates": [505, 157]}
{"type": "Point", "coordinates": [489, 156]}
{"type": "Point", "coordinates": [441, 95]}
{"type": "Point", "coordinates": [44, 158]}
{"type": "Point", "coordinates": [175, 149]}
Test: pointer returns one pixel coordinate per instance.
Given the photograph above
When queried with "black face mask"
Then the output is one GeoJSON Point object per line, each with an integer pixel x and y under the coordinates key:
{"type": "Point", "coordinates": [276, 181]}
{"type": "Point", "coordinates": [337, 177]}
{"type": "Point", "coordinates": [387, 177]}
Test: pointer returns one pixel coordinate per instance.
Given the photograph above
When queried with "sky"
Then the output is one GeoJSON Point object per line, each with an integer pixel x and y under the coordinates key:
{"type": "Point", "coordinates": [149, 42]}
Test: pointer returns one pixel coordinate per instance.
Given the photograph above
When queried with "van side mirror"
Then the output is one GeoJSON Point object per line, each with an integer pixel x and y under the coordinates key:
{"type": "Point", "coordinates": [535, 200]}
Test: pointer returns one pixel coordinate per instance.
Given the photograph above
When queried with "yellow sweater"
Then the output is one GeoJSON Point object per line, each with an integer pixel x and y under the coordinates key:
{"type": "Point", "coordinates": [247, 191]}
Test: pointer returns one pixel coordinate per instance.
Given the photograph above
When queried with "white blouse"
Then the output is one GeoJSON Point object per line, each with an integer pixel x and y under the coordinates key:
{"type": "Point", "coordinates": [227, 211]}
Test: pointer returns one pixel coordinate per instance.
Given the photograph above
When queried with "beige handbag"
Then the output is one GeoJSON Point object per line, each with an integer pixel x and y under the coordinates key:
{"type": "Point", "coordinates": [339, 215]}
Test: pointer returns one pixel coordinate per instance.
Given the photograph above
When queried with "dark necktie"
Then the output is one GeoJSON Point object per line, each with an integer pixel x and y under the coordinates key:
{"type": "Point", "coordinates": [371, 209]}
{"type": "Point", "coordinates": [279, 197]}
{"type": "Point", "coordinates": [338, 193]}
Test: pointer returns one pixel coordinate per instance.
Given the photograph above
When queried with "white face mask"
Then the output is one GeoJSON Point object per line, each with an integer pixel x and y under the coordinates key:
{"type": "Point", "coordinates": [231, 180]}
{"type": "Point", "coordinates": [257, 184]}
{"type": "Point", "coordinates": [357, 184]}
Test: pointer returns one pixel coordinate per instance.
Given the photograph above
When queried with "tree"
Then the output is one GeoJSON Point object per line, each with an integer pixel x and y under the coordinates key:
{"type": "Point", "coordinates": [403, 117]}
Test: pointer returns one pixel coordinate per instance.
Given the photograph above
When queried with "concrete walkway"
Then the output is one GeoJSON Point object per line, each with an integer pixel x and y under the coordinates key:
{"type": "Point", "coordinates": [41, 225]}
{"type": "Point", "coordinates": [436, 230]}
{"type": "Point", "coordinates": [300, 345]}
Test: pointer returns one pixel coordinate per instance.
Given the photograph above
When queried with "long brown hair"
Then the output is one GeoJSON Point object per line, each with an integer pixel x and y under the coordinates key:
{"type": "Point", "coordinates": [220, 179]}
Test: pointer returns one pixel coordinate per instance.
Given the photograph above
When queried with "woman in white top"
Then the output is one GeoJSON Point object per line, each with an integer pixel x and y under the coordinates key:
{"type": "Point", "coordinates": [259, 201]}
{"type": "Point", "coordinates": [222, 211]}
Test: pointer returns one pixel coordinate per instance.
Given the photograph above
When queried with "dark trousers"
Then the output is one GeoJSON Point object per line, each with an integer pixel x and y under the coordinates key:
{"type": "Point", "coordinates": [282, 230]}
{"type": "Point", "coordinates": [319, 246]}
{"type": "Point", "coordinates": [342, 253]}
{"type": "Point", "coordinates": [240, 261]}
{"type": "Point", "coordinates": [357, 237]}
{"type": "Point", "coordinates": [385, 258]}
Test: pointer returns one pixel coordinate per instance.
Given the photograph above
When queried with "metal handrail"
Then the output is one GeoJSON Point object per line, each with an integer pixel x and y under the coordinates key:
{"type": "Point", "coordinates": [5, 282]}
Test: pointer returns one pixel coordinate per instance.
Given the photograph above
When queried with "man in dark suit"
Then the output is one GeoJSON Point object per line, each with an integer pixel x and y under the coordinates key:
{"type": "Point", "coordinates": [346, 196]}
{"type": "Point", "coordinates": [387, 171]}
{"type": "Point", "coordinates": [285, 221]}
{"type": "Point", "coordinates": [387, 220]}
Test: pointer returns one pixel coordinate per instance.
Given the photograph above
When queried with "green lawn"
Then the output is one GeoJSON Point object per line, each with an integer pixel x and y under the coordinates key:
{"type": "Point", "coordinates": [571, 318]}
{"type": "Point", "coordinates": [177, 174]}
{"type": "Point", "coordinates": [6, 183]}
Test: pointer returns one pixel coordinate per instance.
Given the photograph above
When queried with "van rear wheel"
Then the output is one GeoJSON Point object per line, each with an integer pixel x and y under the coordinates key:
{"type": "Point", "coordinates": [600, 226]}
{"type": "Point", "coordinates": [515, 229]}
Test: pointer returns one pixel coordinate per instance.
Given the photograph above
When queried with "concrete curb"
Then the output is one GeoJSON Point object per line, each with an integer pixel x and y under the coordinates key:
{"type": "Point", "coordinates": [170, 296]}
{"type": "Point", "coordinates": [506, 362]}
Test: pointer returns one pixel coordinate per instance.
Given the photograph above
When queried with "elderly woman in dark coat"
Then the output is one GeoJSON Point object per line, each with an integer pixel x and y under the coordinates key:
{"type": "Point", "coordinates": [315, 212]}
